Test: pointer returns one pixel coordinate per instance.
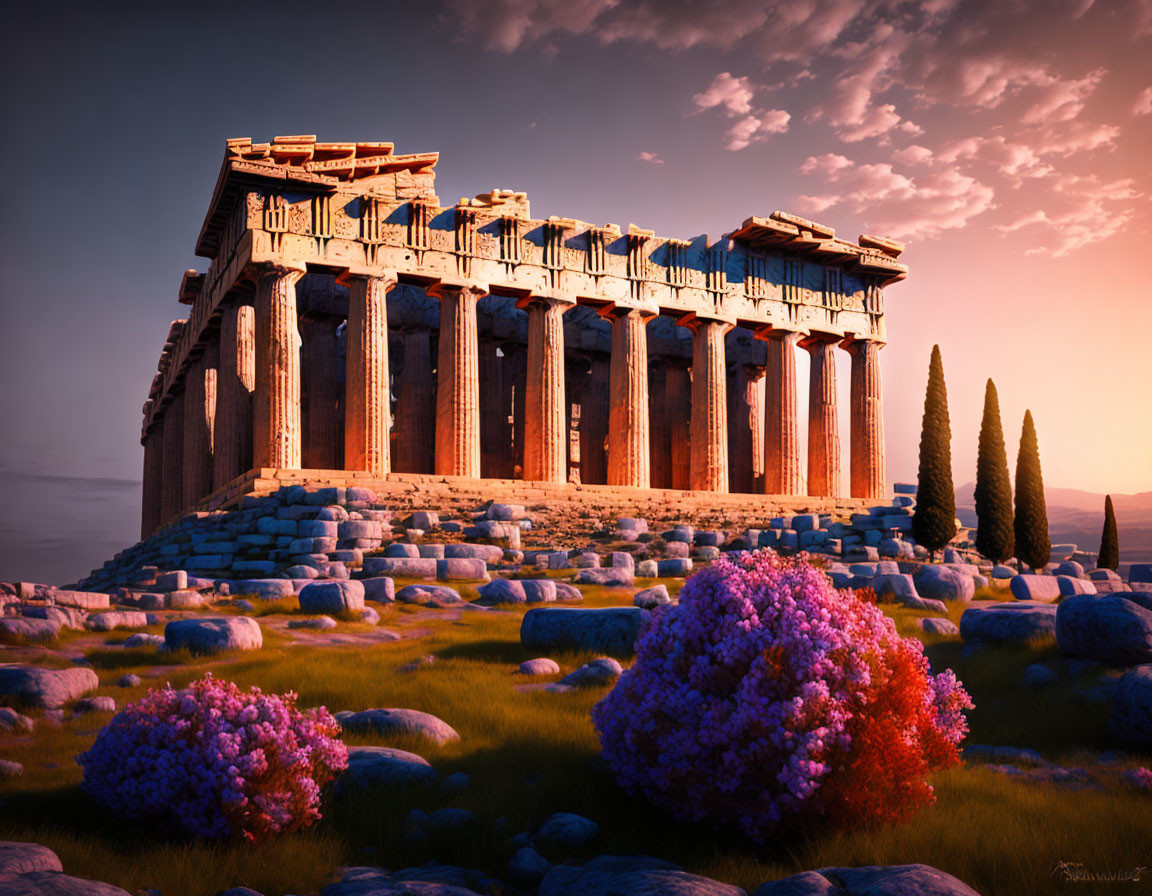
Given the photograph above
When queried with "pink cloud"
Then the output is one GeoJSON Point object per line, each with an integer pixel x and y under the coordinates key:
{"type": "Point", "coordinates": [1143, 104]}
{"type": "Point", "coordinates": [733, 95]}
{"type": "Point", "coordinates": [893, 203]}
{"type": "Point", "coordinates": [752, 128]}
{"type": "Point", "coordinates": [651, 158]}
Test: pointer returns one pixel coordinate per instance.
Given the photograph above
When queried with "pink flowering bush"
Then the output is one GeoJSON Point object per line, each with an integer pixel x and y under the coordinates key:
{"type": "Point", "coordinates": [768, 697]}
{"type": "Point", "coordinates": [216, 761]}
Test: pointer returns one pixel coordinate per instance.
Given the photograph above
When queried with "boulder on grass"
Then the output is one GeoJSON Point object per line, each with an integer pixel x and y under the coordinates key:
{"type": "Point", "coordinates": [1036, 588]}
{"type": "Point", "coordinates": [332, 597]}
{"type": "Point", "coordinates": [399, 722]}
{"type": "Point", "coordinates": [869, 880]}
{"type": "Point", "coordinates": [608, 630]}
{"type": "Point", "coordinates": [944, 583]}
{"type": "Point", "coordinates": [1131, 716]}
{"type": "Point", "coordinates": [1008, 623]}
{"type": "Point", "coordinates": [1109, 628]}
{"type": "Point", "coordinates": [386, 767]}
{"type": "Point", "coordinates": [43, 688]}
{"type": "Point", "coordinates": [632, 875]}
{"type": "Point", "coordinates": [207, 636]}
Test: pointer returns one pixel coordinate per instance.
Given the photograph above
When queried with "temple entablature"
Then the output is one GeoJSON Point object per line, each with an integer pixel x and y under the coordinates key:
{"type": "Point", "coordinates": [333, 269]}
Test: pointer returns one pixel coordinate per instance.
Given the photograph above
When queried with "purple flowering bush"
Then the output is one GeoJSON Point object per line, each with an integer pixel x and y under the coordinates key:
{"type": "Point", "coordinates": [767, 696]}
{"type": "Point", "coordinates": [215, 761]}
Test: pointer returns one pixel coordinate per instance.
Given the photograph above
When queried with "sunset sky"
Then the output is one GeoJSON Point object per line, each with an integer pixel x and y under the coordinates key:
{"type": "Point", "coordinates": [1009, 143]}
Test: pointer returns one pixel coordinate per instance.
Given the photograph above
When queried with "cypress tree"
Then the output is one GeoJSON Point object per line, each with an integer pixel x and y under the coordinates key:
{"type": "Point", "coordinates": [934, 522]}
{"type": "Point", "coordinates": [994, 536]}
{"type": "Point", "coordinates": [1033, 545]}
{"type": "Point", "coordinates": [1109, 542]}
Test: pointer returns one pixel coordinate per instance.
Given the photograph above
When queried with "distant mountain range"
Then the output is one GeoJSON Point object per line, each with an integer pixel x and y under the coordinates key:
{"type": "Point", "coordinates": [1077, 517]}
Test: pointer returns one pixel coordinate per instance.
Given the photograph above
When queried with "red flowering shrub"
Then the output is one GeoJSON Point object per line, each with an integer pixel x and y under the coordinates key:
{"type": "Point", "coordinates": [768, 697]}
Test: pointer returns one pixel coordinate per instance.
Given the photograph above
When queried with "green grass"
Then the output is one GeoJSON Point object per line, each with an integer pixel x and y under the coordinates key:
{"type": "Point", "coordinates": [531, 753]}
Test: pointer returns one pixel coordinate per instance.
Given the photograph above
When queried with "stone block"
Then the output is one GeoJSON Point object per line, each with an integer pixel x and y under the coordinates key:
{"type": "Point", "coordinates": [647, 569]}
{"type": "Point", "coordinates": [369, 529]}
{"type": "Point", "coordinates": [676, 566]}
{"type": "Point", "coordinates": [462, 569]}
{"type": "Point", "coordinates": [381, 589]}
{"type": "Point", "coordinates": [608, 630]}
{"type": "Point", "coordinates": [85, 600]}
{"type": "Point", "coordinates": [264, 589]}
{"type": "Point", "coordinates": [622, 560]}
{"type": "Point", "coordinates": [317, 529]}
{"type": "Point", "coordinates": [172, 581]}
{"type": "Point", "coordinates": [489, 553]}
{"type": "Point", "coordinates": [506, 512]}
{"type": "Point", "coordinates": [401, 549]}
{"type": "Point", "coordinates": [434, 551]}
{"type": "Point", "coordinates": [207, 636]}
{"type": "Point", "coordinates": [609, 575]}
{"type": "Point", "coordinates": [424, 519]}
{"type": "Point", "coordinates": [1035, 588]}
{"type": "Point", "coordinates": [803, 522]}
{"type": "Point", "coordinates": [332, 597]}
{"type": "Point", "coordinates": [1070, 585]}
{"type": "Point", "coordinates": [587, 560]}
{"type": "Point", "coordinates": [406, 567]}
{"type": "Point", "coordinates": [677, 549]}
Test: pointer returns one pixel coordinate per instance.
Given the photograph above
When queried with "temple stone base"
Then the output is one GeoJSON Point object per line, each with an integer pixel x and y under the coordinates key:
{"type": "Point", "coordinates": [407, 491]}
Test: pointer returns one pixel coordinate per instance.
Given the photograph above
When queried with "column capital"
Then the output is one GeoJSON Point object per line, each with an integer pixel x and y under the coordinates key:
{"type": "Point", "coordinates": [816, 338]}
{"type": "Point", "coordinates": [692, 321]}
{"type": "Point", "coordinates": [477, 290]}
{"type": "Point", "coordinates": [564, 302]}
{"type": "Point", "coordinates": [614, 311]}
{"type": "Point", "coordinates": [345, 277]}
{"type": "Point", "coordinates": [265, 270]}
{"type": "Point", "coordinates": [770, 333]}
{"type": "Point", "coordinates": [852, 341]}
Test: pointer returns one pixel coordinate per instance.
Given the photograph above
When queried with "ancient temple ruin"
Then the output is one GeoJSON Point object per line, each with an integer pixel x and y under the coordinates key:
{"type": "Point", "coordinates": [351, 328]}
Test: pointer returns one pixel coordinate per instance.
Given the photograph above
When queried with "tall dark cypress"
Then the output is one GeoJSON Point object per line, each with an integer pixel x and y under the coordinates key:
{"type": "Point", "coordinates": [1109, 541]}
{"type": "Point", "coordinates": [934, 522]}
{"type": "Point", "coordinates": [994, 536]}
{"type": "Point", "coordinates": [1033, 544]}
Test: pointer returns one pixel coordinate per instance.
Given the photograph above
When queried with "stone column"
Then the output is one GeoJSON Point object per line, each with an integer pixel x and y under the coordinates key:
{"type": "Point", "coordinates": [678, 407]}
{"type": "Point", "coordinates": [172, 490]}
{"type": "Point", "coordinates": [745, 433]}
{"type": "Point", "coordinates": [367, 395]}
{"type": "Point", "coordinates": [235, 380]}
{"type": "Point", "coordinates": [781, 432]}
{"type": "Point", "coordinates": [866, 462]}
{"type": "Point", "coordinates": [197, 459]}
{"type": "Point", "coordinates": [415, 405]}
{"type": "Point", "coordinates": [276, 399]}
{"type": "Point", "coordinates": [823, 436]}
{"type": "Point", "coordinates": [495, 437]}
{"type": "Point", "coordinates": [629, 461]}
{"type": "Point", "coordinates": [545, 421]}
{"type": "Point", "coordinates": [516, 372]}
{"type": "Point", "coordinates": [153, 479]}
{"type": "Point", "coordinates": [659, 443]}
{"type": "Point", "coordinates": [320, 388]}
{"type": "Point", "coordinates": [457, 382]}
{"type": "Point", "coordinates": [709, 449]}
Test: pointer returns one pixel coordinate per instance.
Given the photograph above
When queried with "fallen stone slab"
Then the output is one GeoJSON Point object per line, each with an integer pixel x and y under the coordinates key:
{"type": "Point", "coordinates": [207, 636]}
{"type": "Point", "coordinates": [489, 553]}
{"type": "Point", "coordinates": [13, 722]}
{"type": "Point", "coordinates": [406, 567]}
{"type": "Point", "coordinates": [1036, 588]}
{"type": "Point", "coordinates": [398, 722]}
{"type": "Point", "coordinates": [85, 600]}
{"type": "Point", "coordinates": [1008, 623]}
{"type": "Point", "coordinates": [632, 875]}
{"type": "Point", "coordinates": [869, 880]}
{"type": "Point", "coordinates": [424, 595]}
{"type": "Point", "coordinates": [613, 576]}
{"type": "Point", "coordinates": [95, 704]}
{"type": "Point", "coordinates": [106, 622]}
{"type": "Point", "coordinates": [53, 883]}
{"type": "Point", "coordinates": [463, 569]}
{"type": "Point", "coordinates": [332, 596]}
{"type": "Point", "coordinates": [1109, 628]}
{"type": "Point", "coordinates": [43, 688]}
{"type": "Point", "coordinates": [607, 630]}
{"type": "Point", "coordinates": [62, 617]}
{"type": "Point", "coordinates": [264, 589]}
{"type": "Point", "coordinates": [933, 625]}
{"type": "Point", "coordinates": [1070, 585]}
